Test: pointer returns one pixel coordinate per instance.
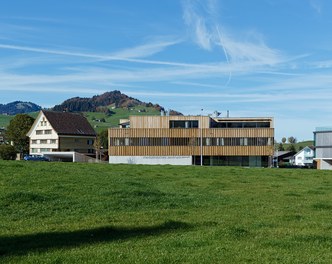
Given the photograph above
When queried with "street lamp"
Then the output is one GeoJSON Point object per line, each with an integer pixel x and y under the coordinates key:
{"type": "Point", "coordinates": [201, 138]}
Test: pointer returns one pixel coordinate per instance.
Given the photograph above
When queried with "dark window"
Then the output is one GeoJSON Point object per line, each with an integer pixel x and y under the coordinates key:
{"type": "Point", "coordinates": [183, 124]}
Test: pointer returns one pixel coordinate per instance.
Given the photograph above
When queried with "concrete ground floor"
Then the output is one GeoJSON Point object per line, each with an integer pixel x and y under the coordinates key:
{"type": "Point", "coordinates": [244, 161]}
{"type": "Point", "coordinates": [323, 164]}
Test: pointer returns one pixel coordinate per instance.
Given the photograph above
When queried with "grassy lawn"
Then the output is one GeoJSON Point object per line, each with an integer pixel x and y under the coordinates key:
{"type": "Point", "coordinates": [100, 213]}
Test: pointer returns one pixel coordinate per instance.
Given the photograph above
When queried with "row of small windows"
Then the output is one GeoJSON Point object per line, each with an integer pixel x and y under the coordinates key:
{"type": "Point", "coordinates": [36, 150]}
{"type": "Point", "coordinates": [54, 141]}
{"type": "Point", "coordinates": [194, 124]}
{"type": "Point", "coordinates": [44, 132]}
{"type": "Point", "coordinates": [43, 141]}
{"type": "Point", "coordinates": [240, 125]}
{"type": "Point", "coordinates": [165, 141]}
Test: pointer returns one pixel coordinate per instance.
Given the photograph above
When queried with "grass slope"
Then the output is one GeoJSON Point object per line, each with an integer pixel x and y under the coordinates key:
{"type": "Point", "coordinates": [5, 120]}
{"type": "Point", "coordinates": [120, 113]}
{"type": "Point", "coordinates": [94, 213]}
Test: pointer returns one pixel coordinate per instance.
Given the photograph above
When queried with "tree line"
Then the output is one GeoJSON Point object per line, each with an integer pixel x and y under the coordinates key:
{"type": "Point", "coordinates": [291, 144]}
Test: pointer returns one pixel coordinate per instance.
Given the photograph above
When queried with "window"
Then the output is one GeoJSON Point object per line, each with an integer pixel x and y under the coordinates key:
{"type": "Point", "coordinates": [45, 150]}
{"type": "Point", "coordinates": [43, 122]}
{"type": "Point", "coordinates": [183, 124]}
{"type": "Point", "coordinates": [43, 141]}
{"type": "Point", "coordinates": [34, 141]}
{"type": "Point", "coordinates": [53, 141]}
{"type": "Point", "coordinates": [39, 132]}
{"type": "Point", "coordinates": [89, 141]}
{"type": "Point", "coordinates": [240, 125]}
{"type": "Point", "coordinates": [48, 132]}
{"type": "Point", "coordinates": [34, 150]}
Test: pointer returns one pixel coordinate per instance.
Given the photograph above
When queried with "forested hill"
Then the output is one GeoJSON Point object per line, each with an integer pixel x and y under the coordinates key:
{"type": "Point", "coordinates": [18, 107]}
{"type": "Point", "coordinates": [98, 102]}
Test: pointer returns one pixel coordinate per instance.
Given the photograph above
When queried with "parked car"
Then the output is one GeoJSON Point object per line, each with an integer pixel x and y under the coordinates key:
{"type": "Point", "coordinates": [35, 158]}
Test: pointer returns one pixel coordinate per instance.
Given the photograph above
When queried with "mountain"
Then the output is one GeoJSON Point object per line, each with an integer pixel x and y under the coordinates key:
{"type": "Point", "coordinates": [98, 103]}
{"type": "Point", "coordinates": [18, 107]}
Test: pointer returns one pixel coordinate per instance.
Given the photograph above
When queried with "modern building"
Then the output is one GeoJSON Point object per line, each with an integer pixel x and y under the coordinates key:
{"type": "Point", "coordinates": [192, 140]}
{"type": "Point", "coordinates": [304, 158]}
{"type": "Point", "coordinates": [61, 132]}
{"type": "Point", "coordinates": [323, 148]}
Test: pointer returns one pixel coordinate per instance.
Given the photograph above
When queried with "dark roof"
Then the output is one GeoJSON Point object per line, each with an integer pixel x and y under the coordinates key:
{"type": "Point", "coordinates": [69, 123]}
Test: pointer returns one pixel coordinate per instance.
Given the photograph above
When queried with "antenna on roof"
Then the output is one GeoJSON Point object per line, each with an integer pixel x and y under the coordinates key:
{"type": "Point", "coordinates": [216, 113]}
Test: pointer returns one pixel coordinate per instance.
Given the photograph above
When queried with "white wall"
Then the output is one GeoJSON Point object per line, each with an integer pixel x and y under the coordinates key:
{"type": "Point", "coordinates": [152, 160]}
{"type": "Point", "coordinates": [53, 136]}
{"type": "Point", "coordinates": [326, 165]}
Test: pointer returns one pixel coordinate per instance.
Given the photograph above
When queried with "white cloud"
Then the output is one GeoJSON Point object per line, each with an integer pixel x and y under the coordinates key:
{"type": "Point", "coordinates": [197, 23]}
{"type": "Point", "coordinates": [146, 49]}
{"type": "Point", "coordinates": [207, 32]}
{"type": "Point", "coordinates": [248, 51]}
{"type": "Point", "coordinates": [101, 57]}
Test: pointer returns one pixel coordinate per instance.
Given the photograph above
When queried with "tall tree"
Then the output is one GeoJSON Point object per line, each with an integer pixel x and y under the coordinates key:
{"type": "Point", "coordinates": [16, 132]}
{"type": "Point", "coordinates": [292, 140]}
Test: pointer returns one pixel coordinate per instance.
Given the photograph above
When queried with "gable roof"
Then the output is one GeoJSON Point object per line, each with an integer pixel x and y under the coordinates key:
{"type": "Point", "coordinates": [69, 123]}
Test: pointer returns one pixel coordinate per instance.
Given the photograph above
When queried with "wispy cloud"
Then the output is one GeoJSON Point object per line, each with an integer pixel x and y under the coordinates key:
{"type": "Point", "coordinates": [316, 6]}
{"type": "Point", "coordinates": [146, 49]}
{"type": "Point", "coordinates": [100, 56]}
{"type": "Point", "coordinates": [208, 33]}
{"type": "Point", "coordinates": [197, 22]}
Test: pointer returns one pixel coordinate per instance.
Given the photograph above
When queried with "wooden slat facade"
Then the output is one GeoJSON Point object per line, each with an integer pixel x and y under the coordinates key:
{"type": "Point", "coordinates": [163, 121]}
{"type": "Point", "coordinates": [191, 150]}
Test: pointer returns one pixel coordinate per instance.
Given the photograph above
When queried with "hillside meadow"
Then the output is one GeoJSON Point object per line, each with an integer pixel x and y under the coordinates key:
{"type": "Point", "coordinates": [101, 213]}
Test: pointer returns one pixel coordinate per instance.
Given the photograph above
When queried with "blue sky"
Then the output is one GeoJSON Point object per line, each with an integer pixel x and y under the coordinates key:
{"type": "Point", "coordinates": [254, 58]}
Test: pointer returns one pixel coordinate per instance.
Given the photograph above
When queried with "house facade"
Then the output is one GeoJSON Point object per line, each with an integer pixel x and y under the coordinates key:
{"type": "Point", "coordinates": [304, 157]}
{"type": "Point", "coordinates": [2, 135]}
{"type": "Point", "coordinates": [192, 140]}
{"type": "Point", "coordinates": [61, 132]}
{"type": "Point", "coordinates": [323, 148]}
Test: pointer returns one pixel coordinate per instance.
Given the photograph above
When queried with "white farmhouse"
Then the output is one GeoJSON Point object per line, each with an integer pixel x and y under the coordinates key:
{"type": "Point", "coordinates": [304, 157]}
{"type": "Point", "coordinates": [61, 132]}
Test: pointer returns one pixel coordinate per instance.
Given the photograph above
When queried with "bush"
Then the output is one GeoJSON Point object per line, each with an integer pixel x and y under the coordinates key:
{"type": "Point", "coordinates": [7, 152]}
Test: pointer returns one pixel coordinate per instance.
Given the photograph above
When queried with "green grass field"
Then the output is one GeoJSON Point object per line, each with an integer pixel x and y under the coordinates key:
{"type": "Point", "coordinates": [101, 213]}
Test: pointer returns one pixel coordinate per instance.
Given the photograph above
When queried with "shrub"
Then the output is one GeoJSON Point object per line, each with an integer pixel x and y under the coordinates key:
{"type": "Point", "coordinates": [7, 152]}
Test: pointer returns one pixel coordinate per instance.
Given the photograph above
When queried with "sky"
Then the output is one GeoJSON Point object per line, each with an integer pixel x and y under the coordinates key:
{"type": "Point", "coordinates": [257, 58]}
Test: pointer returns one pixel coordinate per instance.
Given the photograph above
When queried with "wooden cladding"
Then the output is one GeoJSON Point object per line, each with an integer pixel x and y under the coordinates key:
{"type": "Point", "coordinates": [164, 121]}
{"type": "Point", "coordinates": [133, 140]}
{"type": "Point", "coordinates": [203, 122]}
{"type": "Point", "coordinates": [191, 150]}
